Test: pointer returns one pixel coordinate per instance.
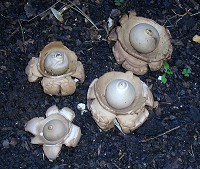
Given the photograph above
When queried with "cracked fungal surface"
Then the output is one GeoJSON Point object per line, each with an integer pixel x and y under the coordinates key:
{"type": "Point", "coordinates": [54, 131]}
{"type": "Point", "coordinates": [140, 43]}
{"type": "Point", "coordinates": [120, 99]}
{"type": "Point", "coordinates": [57, 66]}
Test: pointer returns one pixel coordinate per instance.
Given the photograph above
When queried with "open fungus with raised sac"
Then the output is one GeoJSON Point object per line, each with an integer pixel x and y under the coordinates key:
{"type": "Point", "coordinates": [139, 43]}
{"type": "Point", "coordinates": [120, 99]}
{"type": "Point", "coordinates": [54, 131]}
{"type": "Point", "coordinates": [58, 67]}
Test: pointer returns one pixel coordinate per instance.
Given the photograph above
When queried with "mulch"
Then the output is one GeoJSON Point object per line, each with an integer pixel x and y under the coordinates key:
{"type": "Point", "coordinates": [169, 139]}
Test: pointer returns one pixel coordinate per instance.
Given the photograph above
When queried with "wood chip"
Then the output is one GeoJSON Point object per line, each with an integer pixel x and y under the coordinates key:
{"type": "Point", "coordinates": [196, 38]}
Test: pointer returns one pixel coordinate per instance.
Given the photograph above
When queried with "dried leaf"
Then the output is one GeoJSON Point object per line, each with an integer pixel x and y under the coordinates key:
{"type": "Point", "coordinates": [29, 41]}
{"type": "Point", "coordinates": [116, 123]}
{"type": "Point", "coordinates": [30, 11]}
{"type": "Point", "coordinates": [57, 14]}
{"type": "Point", "coordinates": [13, 142]}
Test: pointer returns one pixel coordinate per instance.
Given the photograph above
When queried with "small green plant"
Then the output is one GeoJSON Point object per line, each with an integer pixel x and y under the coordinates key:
{"type": "Point", "coordinates": [119, 2]}
{"type": "Point", "coordinates": [186, 72]}
{"type": "Point", "coordinates": [167, 71]}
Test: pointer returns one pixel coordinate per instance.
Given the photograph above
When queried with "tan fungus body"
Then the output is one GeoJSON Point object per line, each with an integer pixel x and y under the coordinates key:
{"type": "Point", "coordinates": [57, 65]}
{"type": "Point", "coordinates": [152, 45]}
{"type": "Point", "coordinates": [126, 118]}
{"type": "Point", "coordinates": [54, 131]}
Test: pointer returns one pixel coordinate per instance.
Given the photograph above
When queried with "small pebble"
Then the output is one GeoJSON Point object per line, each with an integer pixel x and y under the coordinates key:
{"type": "Point", "coordinates": [5, 144]}
{"type": "Point", "coordinates": [82, 108]}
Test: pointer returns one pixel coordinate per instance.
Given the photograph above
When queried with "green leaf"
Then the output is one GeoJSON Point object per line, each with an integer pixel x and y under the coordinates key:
{"type": "Point", "coordinates": [119, 2]}
{"type": "Point", "coordinates": [186, 72]}
{"type": "Point", "coordinates": [167, 69]}
{"type": "Point", "coordinates": [163, 79]}
{"type": "Point", "coordinates": [169, 72]}
{"type": "Point", "coordinates": [166, 66]}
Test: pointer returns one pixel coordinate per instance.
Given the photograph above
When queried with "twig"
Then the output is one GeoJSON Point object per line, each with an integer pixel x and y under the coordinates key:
{"type": "Point", "coordinates": [196, 4]}
{"type": "Point", "coordinates": [187, 12]}
{"type": "Point", "coordinates": [64, 8]}
{"type": "Point", "coordinates": [152, 138]}
{"type": "Point", "coordinates": [4, 52]}
{"type": "Point", "coordinates": [116, 166]}
{"type": "Point", "coordinates": [180, 77]}
{"type": "Point", "coordinates": [121, 156]}
{"type": "Point", "coordinates": [191, 152]}
{"type": "Point", "coordinates": [22, 32]}
{"type": "Point", "coordinates": [41, 12]}
{"type": "Point", "coordinates": [195, 14]}
{"type": "Point", "coordinates": [61, 166]}
{"type": "Point", "coordinates": [13, 33]}
{"type": "Point", "coordinates": [76, 8]}
{"type": "Point", "coordinates": [179, 4]}
{"type": "Point", "coordinates": [165, 103]}
{"type": "Point", "coordinates": [196, 57]}
{"type": "Point", "coordinates": [181, 16]}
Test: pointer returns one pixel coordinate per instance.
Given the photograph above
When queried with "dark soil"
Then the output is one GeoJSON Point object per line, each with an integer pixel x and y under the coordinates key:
{"type": "Point", "coordinates": [178, 112]}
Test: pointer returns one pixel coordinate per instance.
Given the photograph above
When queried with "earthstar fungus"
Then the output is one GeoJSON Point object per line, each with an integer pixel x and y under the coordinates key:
{"type": "Point", "coordinates": [120, 99]}
{"type": "Point", "coordinates": [54, 131]}
{"type": "Point", "coordinates": [140, 43]}
{"type": "Point", "coordinates": [57, 66]}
